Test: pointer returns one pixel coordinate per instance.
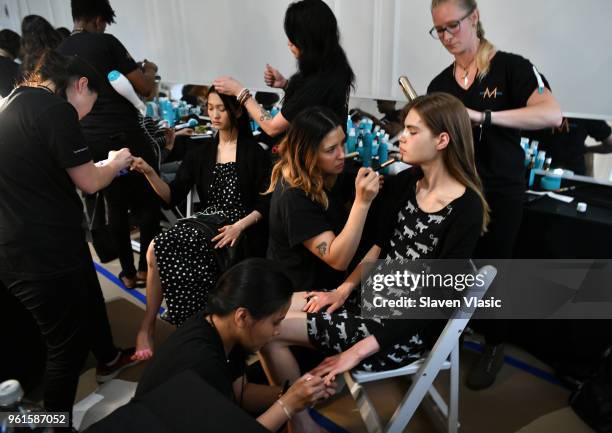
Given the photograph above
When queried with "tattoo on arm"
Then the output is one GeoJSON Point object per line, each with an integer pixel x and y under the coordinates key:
{"type": "Point", "coordinates": [265, 115]}
{"type": "Point", "coordinates": [322, 247]}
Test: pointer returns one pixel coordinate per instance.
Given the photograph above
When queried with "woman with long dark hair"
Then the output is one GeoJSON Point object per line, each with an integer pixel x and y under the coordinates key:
{"type": "Point", "coordinates": [436, 210]}
{"type": "Point", "coordinates": [44, 258]}
{"type": "Point", "coordinates": [37, 36]}
{"type": "Point", "coordinates": [324, 76]}
{"type": "Point", "coordinates": [244, 311]}
{"type": "Point", "coordinates": [229, 174]}
{"type": "Point", "coordinates": [504, 94]}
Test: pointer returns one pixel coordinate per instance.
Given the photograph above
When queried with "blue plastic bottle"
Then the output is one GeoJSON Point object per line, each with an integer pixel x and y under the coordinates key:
{"type": "Point", "coordinates": [349, 123]}
{"type": "Point", "coordinates": [351, 141]}
{"type": "Point", "coordinates": [360, 146]}
{"type": "Point", "coordinates": [383, 154]}
{"type": "Point", "coordinates": [368, 139]}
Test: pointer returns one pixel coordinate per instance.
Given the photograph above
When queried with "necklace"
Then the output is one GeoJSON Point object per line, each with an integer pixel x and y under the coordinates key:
{"type": "Point", "coordinates": [466, 70]}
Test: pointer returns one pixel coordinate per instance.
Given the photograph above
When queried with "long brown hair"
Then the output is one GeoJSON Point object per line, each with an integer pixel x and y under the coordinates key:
{"type": "Point", "coordinates": [486, 48]}
{"type": "Point", "coordinates": [442, 112]}
{"type": "Point", "coordinates": [298, 152]}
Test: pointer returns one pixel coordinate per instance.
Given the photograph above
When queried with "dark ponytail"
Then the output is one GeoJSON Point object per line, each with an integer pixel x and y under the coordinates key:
{"type": "Point", "coordinates": [255, 284]}
{"type": "Point", "coordinates": [63, 71]}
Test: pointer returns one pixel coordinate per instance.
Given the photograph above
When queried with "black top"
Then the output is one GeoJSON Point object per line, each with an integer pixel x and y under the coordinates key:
{"type": "Point", "coordinates": [565, 144]}
{"type": "Point", "coordinates": [253, 170]}
{"type": "Point", "coordinates": [40, 211]}
{"type": "Point", "coordinates": [406, 231]}
{"type": "Point", "coordinates": [9, 75]}
{"type": "Point", "coordinates": [196, 346]}
{"type": "Point", "coordinates": [112, 112]}
{"type": "Point", "coordinates": [323, 89]}
{"type": "Point", "coordinates": [508, 85]}
{"type": "Point", "coordinates": [295, 218]}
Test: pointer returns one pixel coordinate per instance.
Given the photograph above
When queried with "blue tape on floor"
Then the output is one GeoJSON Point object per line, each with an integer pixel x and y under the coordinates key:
{"type": "Point", "coordinates": [326, 423]}
{"type": "Point", "coordinates": [544, 375]}
{"type": "Point", "coordinates": [112, 278]}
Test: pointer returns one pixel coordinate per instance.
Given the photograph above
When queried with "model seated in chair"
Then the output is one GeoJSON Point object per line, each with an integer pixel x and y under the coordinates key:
{"type": "Point", "coordinates": [229, 174]}
{"type": "Point", "coordinates": [435, 210]}
{"type": "Point", "coordinates": [245, 310]}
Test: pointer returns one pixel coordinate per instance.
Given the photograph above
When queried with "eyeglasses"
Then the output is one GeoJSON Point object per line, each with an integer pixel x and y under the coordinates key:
{"type": "Point", "coordinates": [452, 28]}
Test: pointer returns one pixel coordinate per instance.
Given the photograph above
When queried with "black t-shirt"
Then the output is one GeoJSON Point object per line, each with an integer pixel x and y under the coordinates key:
{"type": "Point", "coordinates": [195, 346]}
{"type": "Point", "coordinates": [325, 89]}
{"type": "Point", "coordinates": [9, 75]}
{"type": "Point", "coordinates": [565, 144]}
{"type": "Point", "coordinates": [295, 218]}
{"type": "Point", "coordinates": [112, 112]}
{"type": "Point", "coordinates": [40, 212]}
{"type": "Point", "coordinates": [508, 85]}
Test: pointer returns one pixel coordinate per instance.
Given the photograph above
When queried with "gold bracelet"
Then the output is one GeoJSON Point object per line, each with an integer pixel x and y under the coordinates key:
{"type": "Point", "coordinates": [285, 409]}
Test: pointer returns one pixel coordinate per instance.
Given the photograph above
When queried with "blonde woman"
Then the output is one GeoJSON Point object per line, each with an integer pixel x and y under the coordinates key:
{"type": "Point", "coordinates": [504, 94]}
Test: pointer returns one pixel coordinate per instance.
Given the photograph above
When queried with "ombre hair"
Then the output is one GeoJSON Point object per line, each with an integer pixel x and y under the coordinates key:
{"type": "Point", "coordinates": [297, 165]}
{"type": "Point", "coordinates": [486, 48]}
{"type": "Point", "coordinates": [442, 112]}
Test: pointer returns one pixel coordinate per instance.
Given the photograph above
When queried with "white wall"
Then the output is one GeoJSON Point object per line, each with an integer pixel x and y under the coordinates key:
{"type": "Point", "coordinates": [196, 40]}
{"type": "Point", "coordinates": [193, 41]}
{"type": "Point", "coordinates": [383, 39]}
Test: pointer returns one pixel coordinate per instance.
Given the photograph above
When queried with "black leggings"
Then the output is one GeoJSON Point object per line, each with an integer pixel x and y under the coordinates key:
{"type": "Point", "coordinates": [71, 315]}
{"type": "Point", "coordinates": [132, 192]}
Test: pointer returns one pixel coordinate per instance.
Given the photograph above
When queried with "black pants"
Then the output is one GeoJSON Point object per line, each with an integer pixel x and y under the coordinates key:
{"type": "Point", "coordinates": [130, 192]}
{"type": "Point", "coordinates": [71, 315]}
{"type": "Point", "coordinates": [498, 243]}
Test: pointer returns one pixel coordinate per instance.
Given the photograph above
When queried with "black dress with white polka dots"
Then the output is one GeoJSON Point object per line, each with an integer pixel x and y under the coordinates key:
{"type": "Point", "coordinates": [187, 266]}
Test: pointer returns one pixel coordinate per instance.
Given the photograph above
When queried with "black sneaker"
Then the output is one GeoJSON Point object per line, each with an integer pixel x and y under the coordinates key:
{"type": "Point", "coordinates": [483, 373]}
{"type": "Point", "coordinates": [105, 372]}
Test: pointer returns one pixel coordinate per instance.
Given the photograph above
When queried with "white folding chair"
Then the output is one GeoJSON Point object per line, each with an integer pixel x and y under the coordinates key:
{"type": "Point", "coordinates": [443, 356]}
{"type": "Point", "coordinates": [192, 198]}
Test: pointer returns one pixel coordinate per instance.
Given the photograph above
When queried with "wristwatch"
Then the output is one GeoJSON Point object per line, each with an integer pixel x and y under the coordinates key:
{"type": "Point", "coordinates": [487, 118]}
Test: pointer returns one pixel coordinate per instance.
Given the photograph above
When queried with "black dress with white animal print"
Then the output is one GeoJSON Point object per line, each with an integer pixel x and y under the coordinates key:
{"type": "Point", "coordinates": [187, 267]}
{"type": "Point", "coordinates": [415, 235]}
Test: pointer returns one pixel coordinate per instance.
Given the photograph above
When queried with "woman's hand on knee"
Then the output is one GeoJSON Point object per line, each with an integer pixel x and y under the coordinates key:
{"type": "Point", "coordinates": [315, 301]}
{"type": "Point", "coordinates": [228, 235]}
